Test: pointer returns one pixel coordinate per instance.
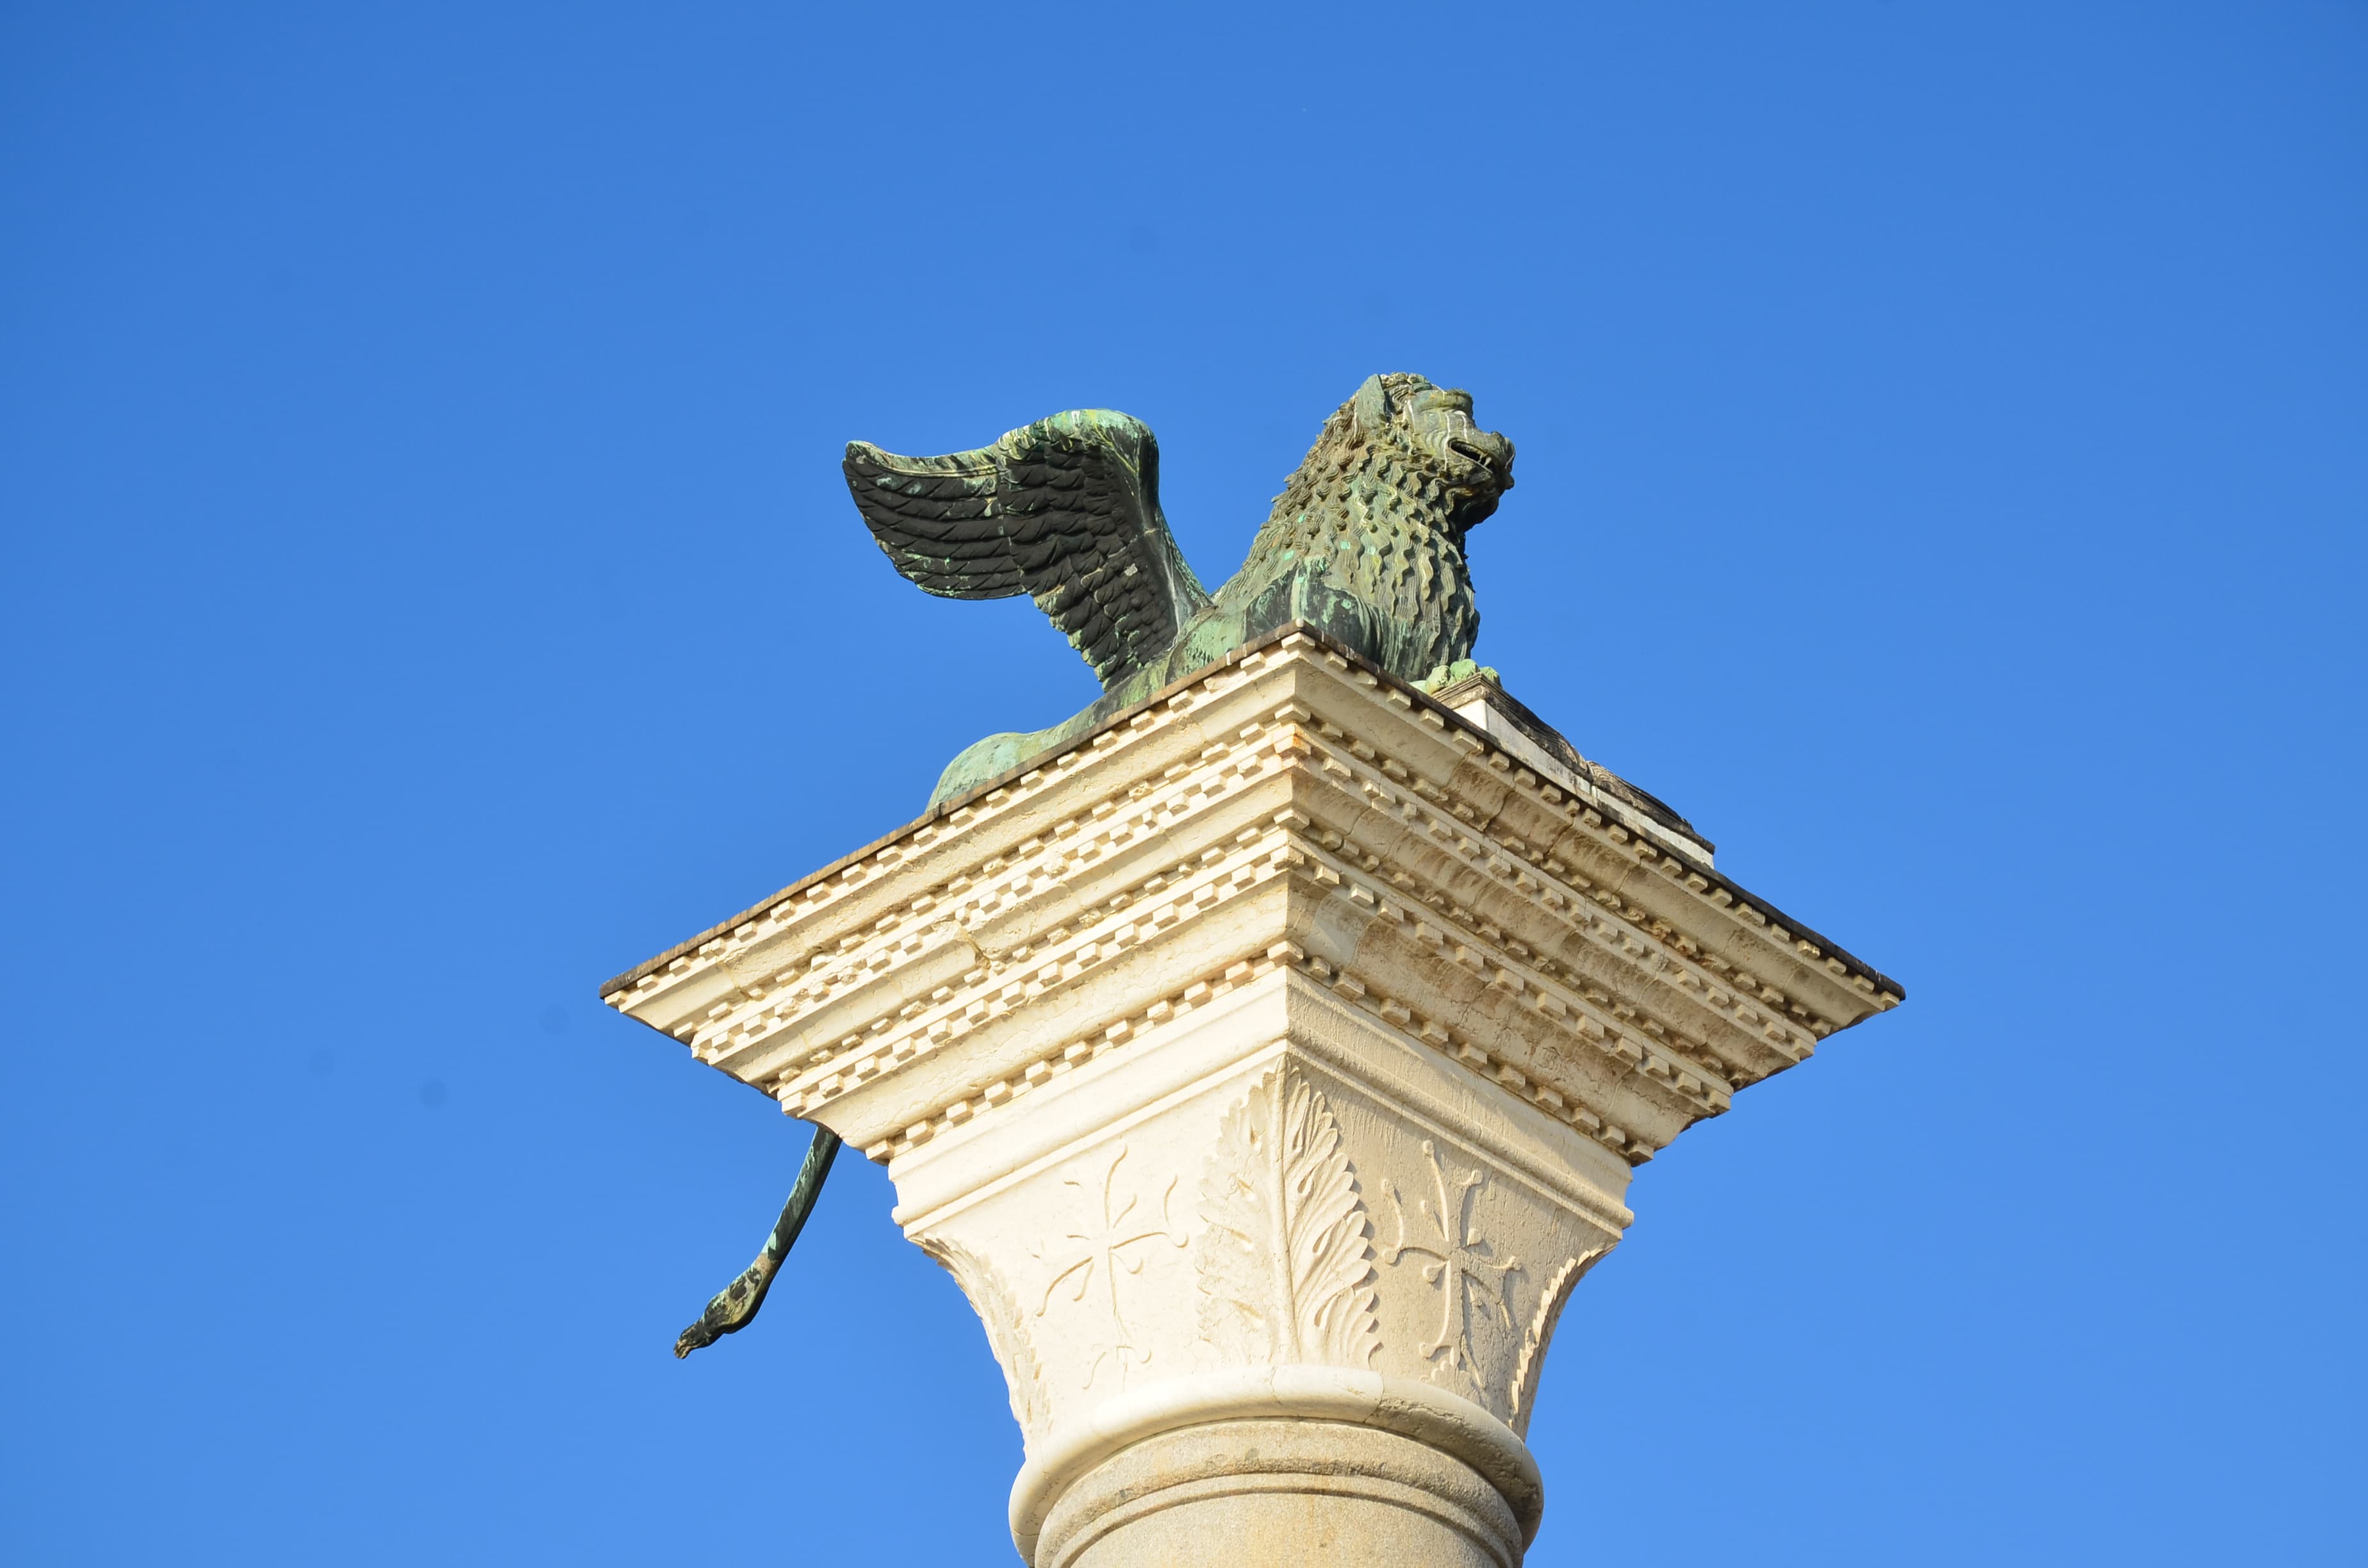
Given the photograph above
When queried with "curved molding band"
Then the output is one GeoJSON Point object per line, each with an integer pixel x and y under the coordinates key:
{"type": "Point", "coordinates": [1447, 1422]}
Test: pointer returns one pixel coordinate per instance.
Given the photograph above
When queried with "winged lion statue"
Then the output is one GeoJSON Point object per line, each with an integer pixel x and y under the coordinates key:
{"type": "Point", "coordinates": [1365, 542]}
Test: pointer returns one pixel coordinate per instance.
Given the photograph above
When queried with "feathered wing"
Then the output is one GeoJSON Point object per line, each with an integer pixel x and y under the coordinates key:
{"type": "Point", "coordinates": [1066, 509]}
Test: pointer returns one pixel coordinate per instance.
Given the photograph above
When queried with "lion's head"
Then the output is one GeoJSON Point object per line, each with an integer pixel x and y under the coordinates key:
{"type": "Point", "coordinates": [1403, 432]}
{"type": "Point", "coordinates": [1475, 464]}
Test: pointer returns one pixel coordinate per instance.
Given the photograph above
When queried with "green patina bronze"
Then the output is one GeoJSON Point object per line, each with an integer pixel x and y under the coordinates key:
{"type": "Point", "coordinates": [1365, 543]}
{"type": "Point", "coordinates": [735, 1306]}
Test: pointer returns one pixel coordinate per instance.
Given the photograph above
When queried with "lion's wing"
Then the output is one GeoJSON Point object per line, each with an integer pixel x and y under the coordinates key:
{"type": "Point", "coordinates": [1066, 509]}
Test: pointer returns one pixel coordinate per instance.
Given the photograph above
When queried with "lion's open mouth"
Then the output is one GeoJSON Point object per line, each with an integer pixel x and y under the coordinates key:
{"type": "Point", "coordinates": [1472, 453]}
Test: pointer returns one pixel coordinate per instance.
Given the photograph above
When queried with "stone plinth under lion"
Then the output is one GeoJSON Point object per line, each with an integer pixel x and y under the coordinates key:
{"type": "Point", "coordinates": [1268, 1061]}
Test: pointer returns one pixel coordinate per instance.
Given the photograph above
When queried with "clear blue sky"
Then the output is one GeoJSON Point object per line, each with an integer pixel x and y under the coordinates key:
{"type": "Point", "coordinates": [430, 590]}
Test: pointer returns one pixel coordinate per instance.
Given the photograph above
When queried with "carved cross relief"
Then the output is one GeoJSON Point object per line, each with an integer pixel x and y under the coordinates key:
{"type": "Point", "coordinates": [1099, 1252]}
{"type": "Point", "coordinates": [1462, 1263]}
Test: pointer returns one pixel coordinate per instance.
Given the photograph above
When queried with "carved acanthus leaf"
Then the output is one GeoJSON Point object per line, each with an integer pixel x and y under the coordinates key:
{"type": "Point", "coordinates": [1285, 1265]}
{"type": "Point", "coordinates": [1541, 1332]}
{"type": "Point", "coordinates": [1005, 1333]}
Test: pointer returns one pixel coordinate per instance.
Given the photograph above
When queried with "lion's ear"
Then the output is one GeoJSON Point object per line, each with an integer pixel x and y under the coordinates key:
{"type": "Point", "coordinates": [1372, 404]}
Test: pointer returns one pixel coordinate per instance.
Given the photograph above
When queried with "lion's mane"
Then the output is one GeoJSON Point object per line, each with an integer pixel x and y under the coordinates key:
{"type": "Point", "coordinates": [1381, 517]}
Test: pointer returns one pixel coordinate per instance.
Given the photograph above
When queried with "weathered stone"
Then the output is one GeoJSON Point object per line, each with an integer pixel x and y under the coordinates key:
{"type": "Point", "coordinates": [1267, 1065]}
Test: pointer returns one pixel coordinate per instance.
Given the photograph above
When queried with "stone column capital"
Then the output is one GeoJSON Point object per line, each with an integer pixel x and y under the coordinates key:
{"type": "Point", "coordinates": [1278, 1053]}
